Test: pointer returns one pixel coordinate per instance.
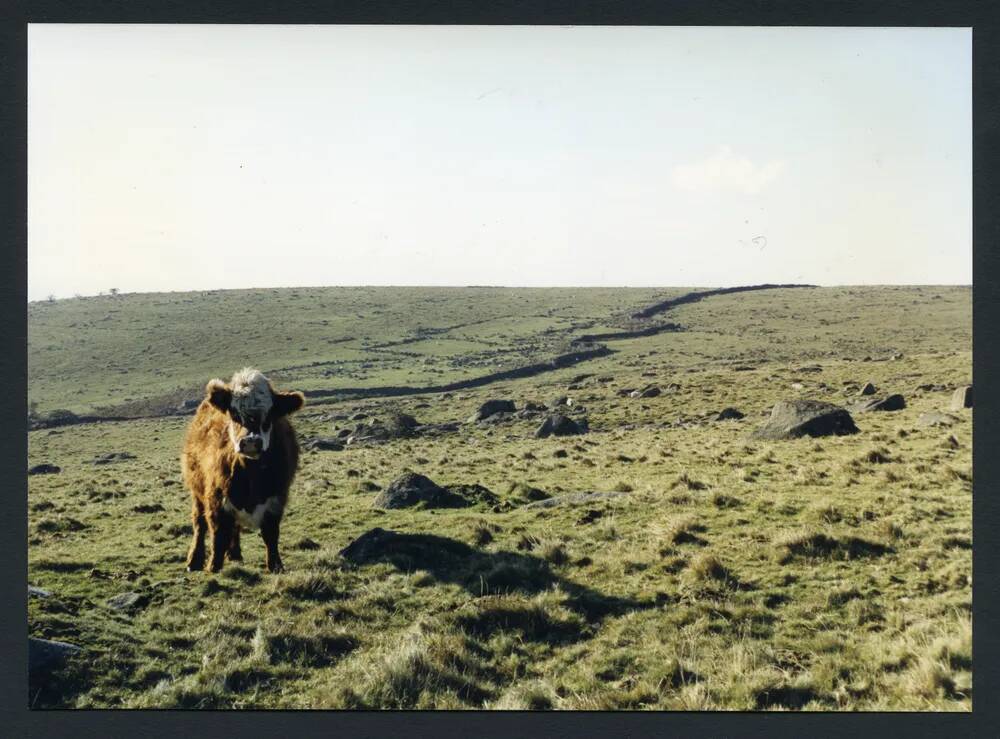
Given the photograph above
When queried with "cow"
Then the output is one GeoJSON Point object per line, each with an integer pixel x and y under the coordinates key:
{"type": "Point", "coordinates": [240, 457]}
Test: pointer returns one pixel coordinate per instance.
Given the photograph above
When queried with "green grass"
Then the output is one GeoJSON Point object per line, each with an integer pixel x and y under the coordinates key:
{"type": "Point", "coordinates": [89, 354]}
{"type": "Point", "coordinates": [814, 574]}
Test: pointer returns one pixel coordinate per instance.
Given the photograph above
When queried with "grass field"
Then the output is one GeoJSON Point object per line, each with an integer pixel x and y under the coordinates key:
{"type": "Point", "coordinates": [725, 573]}
{"type": "Point", "coordinates": [91, 354]}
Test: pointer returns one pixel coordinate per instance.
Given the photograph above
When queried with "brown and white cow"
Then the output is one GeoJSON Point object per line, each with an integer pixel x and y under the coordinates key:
{"type": "Point", "coordinates": [239, 459]}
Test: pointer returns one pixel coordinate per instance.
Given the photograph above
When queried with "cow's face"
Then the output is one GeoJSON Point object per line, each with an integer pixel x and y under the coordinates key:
{"type": "Point", "coordinates": [252, 407]}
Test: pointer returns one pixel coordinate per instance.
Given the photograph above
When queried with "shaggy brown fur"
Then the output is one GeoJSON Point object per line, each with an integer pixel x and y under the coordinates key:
{"type": "Point", "coordinates": [231, 490]}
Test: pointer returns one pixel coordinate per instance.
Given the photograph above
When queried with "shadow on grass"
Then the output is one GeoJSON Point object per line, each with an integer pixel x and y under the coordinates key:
{"type": "Point", "coordinates": [822, 546]}
{"type": "Point", "coordinates": [787, 697]}
{"type": "Point", "coordinates": [481, 573]}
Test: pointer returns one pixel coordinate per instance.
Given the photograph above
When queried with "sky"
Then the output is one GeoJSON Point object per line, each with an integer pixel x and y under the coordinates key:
{"type": "Point", "coordinates": [172, 157]}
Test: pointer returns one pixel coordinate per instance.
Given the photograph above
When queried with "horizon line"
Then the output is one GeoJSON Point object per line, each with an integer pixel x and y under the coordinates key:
{"type": "Point", "coordinates": [107, 294]}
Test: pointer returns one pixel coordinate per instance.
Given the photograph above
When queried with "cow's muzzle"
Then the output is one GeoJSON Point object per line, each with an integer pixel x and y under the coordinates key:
{"type": "Point", "coordinates": [251, 446]}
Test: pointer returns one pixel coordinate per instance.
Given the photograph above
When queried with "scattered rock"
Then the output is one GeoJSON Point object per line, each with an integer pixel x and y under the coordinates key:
{"type": "Point", "coordinates": [931, 388]}
{"type": "Point", "coordinates": [650, 391]}
{"type": "Point", "coordinates": [559, 425]}
{"type": "Point", "coordinates": [962, 398]}
{"type": "Point", "coordinates": [810, 368]}
{"type": "Point", "coordinates": [411, 488]}
{"type": "Point", "coordinates": [497, 418]}
{"type": "Point", "coordinates": [34, 592]}
{"type": "Point", "coordinates": [395, 425]}
{"type": "Point", "coordinates": [44, 653]}
{"type": "Point", "coordinates": [189, 404]}
{"type": "Point", "coordinates": [791, 419]}
{"type": "Point", "coordinates": [727, 414]}
{"type": "Point", "coordinates": [890, 403]}
{"type": "Point", "coordinates": [129, 601]}
{"type": "Point", "coordinates": [323, 444]}
{"type": "Point", "coordinates": [936, 419]}
{"type": "Point", "coordinates": [490, 407]}
{"type": "Point", "coordinates": [867, 389]}
{"type": "Point", "coordinates": [533, 406]}
{"type": "Point", "coordinates": [44, 469]}
{"type": "Point", "coordinates": [369, 434]}
{"type": "Point", "coordinates": [560, 401]}
{"type": "Point", "coordinates": [400, 424]}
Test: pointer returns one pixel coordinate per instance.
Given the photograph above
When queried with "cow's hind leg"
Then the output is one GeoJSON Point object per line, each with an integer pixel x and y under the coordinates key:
{"type": "Point", "coordinates": [235, 554]}
{"type": "Point", "coordinates": [269, 529]}
{"type": "Point", "coordinates": [196, 553]}
{"type": "Point", "coordinates": [221, 526]}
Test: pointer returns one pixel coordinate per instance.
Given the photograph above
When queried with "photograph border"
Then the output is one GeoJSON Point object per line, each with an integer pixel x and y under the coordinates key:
{"type": "Point", "coordinates": [19, 721]}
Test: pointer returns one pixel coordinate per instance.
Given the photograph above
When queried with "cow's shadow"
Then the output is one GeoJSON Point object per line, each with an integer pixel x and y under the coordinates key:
{"type": "Point", "coordinates": [482, 573]}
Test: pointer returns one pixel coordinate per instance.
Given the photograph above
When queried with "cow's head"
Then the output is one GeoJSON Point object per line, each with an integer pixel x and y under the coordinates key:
{"type": "Point", "coordinates": [252, 406]}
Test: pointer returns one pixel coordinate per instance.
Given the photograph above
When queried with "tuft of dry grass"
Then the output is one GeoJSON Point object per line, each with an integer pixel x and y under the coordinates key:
{"type": "Point", "coordinates": [686, 481]}
{"type": "Point", "coordinates": [534, 695]}
{"type": "Point", "coordinates": [706, 566]}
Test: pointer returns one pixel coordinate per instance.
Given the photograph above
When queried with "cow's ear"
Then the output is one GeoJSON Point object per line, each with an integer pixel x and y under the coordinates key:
{"type": "Point", "coordinates": [218, 394]}
{"type": "Point", "coordinates": [285, 403]}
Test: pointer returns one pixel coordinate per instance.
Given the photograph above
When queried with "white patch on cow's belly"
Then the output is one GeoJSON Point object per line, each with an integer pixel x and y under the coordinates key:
{"type": "Point", "coordinates": [251, 520]}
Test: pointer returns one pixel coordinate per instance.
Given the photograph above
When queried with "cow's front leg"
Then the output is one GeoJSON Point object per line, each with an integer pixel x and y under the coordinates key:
{"type": "Point", "coordinates": [269, 528]}
{"type": "Point", "coordinates": [222, 526]}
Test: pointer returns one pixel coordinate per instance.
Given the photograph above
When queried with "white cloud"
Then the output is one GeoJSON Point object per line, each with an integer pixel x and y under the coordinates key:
{"type": "Point", "coordinates": [726, 171]}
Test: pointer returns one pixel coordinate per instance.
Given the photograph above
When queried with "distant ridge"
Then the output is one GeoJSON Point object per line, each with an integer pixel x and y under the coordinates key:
{"type": "Point", "coordinates": [694, 297]}
{"type": "Point", "coordinates": [589, 350]}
